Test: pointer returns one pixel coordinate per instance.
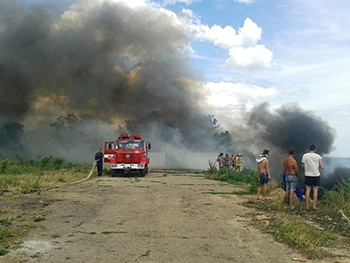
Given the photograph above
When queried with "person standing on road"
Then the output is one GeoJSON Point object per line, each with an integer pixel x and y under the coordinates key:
{"type": "Point", "coordinates": [311, 162]}
{"type": "Point", "coordinates": [227, 160]}
{"type": "Point", "coordinates": [232, 163]}
{"type": "Point", "coordinates": [99, 161]}
{"type": "Point", "coordinates": [291, 170]}
{"type": "Point", "coordinates": [220, 160]}
{"type": "Point", "coordinates": [263, 172]}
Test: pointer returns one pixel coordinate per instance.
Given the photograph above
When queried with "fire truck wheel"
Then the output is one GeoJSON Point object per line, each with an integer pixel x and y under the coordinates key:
{"type": "Point", "coordinates": [143, 172]}
{"type": "Point", "coordinates": [113, 172]}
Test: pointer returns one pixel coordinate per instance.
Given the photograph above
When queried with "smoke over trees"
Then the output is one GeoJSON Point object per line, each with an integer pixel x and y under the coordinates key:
{"type": "Point", "coordinates": [292, 126]}
{"type": "Point", "coordinates": [72, 75]}
{"type": "Point", "coordinates": [10, 135]}
{"type": "Point", "coordinates": [103, 59]}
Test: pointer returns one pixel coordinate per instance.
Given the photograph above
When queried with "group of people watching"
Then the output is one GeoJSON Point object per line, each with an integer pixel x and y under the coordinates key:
{"type": "Point", "coordinates": [311, 162]}
{"type": "Point", "coordinates": [231, 161]}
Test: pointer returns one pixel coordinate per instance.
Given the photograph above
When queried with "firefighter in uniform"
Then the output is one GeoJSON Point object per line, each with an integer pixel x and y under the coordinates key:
{"type": "Point", "coordinates": [99, 161]}
{"type": "Point", "coordinates": [238, 162]}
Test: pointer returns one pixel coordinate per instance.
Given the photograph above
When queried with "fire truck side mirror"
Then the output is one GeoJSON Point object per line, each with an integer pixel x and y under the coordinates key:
{"type": "Point", "coordinates": [149, 146]}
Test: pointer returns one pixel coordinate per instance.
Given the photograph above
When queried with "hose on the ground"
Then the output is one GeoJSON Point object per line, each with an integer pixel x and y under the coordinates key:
{"type": "Point", "coordinates": [88, 177]}
{"type": "Point", "coordinates": [77, 182]}
{"type": "Point", "coordinates": [58, 186]}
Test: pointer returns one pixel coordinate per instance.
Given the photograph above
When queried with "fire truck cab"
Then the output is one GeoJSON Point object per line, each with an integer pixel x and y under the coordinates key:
{"type": "Point", "coordinates": [127, 154]}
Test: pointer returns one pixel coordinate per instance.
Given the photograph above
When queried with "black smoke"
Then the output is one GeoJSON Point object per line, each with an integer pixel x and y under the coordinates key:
{"type": "Point", "coordinates": [103, 59]}
{"type": "Point", "coordinates": [113, 63]}
{"type": "Point", "coordinates": [280, 129]}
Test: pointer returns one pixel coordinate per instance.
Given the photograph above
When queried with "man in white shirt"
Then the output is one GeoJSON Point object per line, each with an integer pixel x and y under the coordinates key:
{"type": "Point", "coordinates": [311, 162]}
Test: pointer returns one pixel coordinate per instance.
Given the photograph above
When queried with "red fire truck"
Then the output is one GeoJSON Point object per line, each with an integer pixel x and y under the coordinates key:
{"type": "Point", "coordinates": [127, 154]}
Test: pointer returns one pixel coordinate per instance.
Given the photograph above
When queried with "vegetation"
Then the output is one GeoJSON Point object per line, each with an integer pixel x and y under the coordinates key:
{"type": "Point", "coordinates": [33, 176]}
{"type": "Point", "coordinates": [247, 178]}
{"type": "Point", "coordinates": [309, 232]}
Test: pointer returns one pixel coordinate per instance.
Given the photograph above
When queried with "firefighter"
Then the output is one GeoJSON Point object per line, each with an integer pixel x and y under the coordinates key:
{"type": "Point", "coordinates": [99, 161]}
{"type": "Point", "coordinates": [238, 162]}
{"type": "Point", "coordinates": [220, 160]}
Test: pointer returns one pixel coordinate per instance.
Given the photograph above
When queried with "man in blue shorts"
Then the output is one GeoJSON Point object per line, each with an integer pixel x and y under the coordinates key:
{"type": "Point", "coordinates": [311, 163]}
{"type": "Point", "coordinates": [298, 191]}
{"type": "Point", "coordinates": [263, 172]}
{"type": "Point", "coordinates": [291, 170]}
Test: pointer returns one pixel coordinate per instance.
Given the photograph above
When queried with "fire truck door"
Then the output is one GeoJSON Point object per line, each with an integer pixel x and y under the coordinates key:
{"type": "Point", "coordinates": [109, 148]}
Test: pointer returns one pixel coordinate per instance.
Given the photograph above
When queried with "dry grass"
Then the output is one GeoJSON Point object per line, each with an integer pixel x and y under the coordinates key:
{"type": "Point", "coordinates": [27, 178]}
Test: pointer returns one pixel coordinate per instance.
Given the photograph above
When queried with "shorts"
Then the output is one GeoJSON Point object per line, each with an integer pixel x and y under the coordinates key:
{"type": "Point", "coordinates": [312, 180]}
{"type": "Point", "coordinates": [291, 182]}
{"type": "Point", "coordinates": [264, 178]}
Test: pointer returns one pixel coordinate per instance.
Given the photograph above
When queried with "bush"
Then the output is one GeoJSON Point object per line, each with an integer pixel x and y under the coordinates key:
{"type": "Point", "coordinates": [246, 176]}
{"type": "Point", "coordinates": [336, 199]}
{"type": "Point", "coordinates": [3, 166]}
{"type": "Point", "coordinates": [57, 163]}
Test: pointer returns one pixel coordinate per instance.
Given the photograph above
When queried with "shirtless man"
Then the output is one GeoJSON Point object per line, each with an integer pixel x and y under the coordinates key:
{"type": "Point", "coordinates": [291, 170]}
{"type": "Point", "coordinates": [263, 172]}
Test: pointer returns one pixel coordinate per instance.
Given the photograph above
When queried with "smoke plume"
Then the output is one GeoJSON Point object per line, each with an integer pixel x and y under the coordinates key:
{"type": "Point", "coordinates": [111, 62]}
{"type": "Point", "coordinates": [280, 129]}
{"type": "Point", "coordinates": [103, 59]}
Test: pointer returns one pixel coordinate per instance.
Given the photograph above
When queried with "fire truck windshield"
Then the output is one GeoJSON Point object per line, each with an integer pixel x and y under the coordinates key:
{"type": "Point", "coordinates": [130, 145]}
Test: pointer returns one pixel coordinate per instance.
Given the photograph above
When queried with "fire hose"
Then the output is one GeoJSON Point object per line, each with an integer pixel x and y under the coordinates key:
{"type": "Point", "coordinates": [344, 216]}
{"type": "Point", "coordinates": [88, 177]}
{"type": "Point", "coordinates": [77, 182]}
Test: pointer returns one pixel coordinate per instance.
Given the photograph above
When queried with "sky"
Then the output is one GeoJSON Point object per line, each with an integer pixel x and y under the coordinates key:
{"type": "Point", "coordinates": [252, 51]}
{"type": "Point", "coordinates": [273, 61]}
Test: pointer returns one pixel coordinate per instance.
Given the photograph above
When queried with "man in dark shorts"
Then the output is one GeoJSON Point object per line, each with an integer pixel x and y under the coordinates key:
{"type": "Point", "coordinates": [263, 173]}
{"type": "Point", "coordinates": [311, 163]}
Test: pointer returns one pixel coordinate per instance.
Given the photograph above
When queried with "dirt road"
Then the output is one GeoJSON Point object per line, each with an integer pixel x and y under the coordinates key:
{"type": "Point", "coordinates": [158, 218]}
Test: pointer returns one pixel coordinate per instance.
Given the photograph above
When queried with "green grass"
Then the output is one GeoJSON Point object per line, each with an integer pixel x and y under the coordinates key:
{"type": "Point", "coordinates": [113, 232]}
{"type": "Point", "coordinates": [338, 198]}
{"type": "Point", "coordinates": [246, 178]}
{"type": "Point", "coordinates": [146, 254]}
{"type": "Point", "coordinates": [6, 222]}
{"type": "Point", "coordinates": [3, 251]}
{"type": "Point", "coordinates": [33, 176]}
{"type": "Point", "coordinates": [306, 238]}
{"type": "Point", "coordinates": [309, 232]}
{"type": "Point", "coordinates": [39, 219]}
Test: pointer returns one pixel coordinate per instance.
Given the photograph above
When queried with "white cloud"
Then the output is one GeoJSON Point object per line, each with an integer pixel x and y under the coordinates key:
{"type": "Point", "coordinates": [242, 45]}
{"type": "Point", "coordinates": [238, 94]}
{"type": "Point", "coordinates": [244, 52]}
{"type": "Point", "coordinates": [222, 37]}
{"type": "Point", "coordinates": [226, 100]}
{"type": "Point", "coordinates": [251, 57]}
{"type": "Point", "coordinates": [133, 3]}
{"type": "Point", "coordinates": [173, 2]}
{"type": "Point", "coordinates": [245, 1]}
{"type": "Point", "coordinates": [250, 33]}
